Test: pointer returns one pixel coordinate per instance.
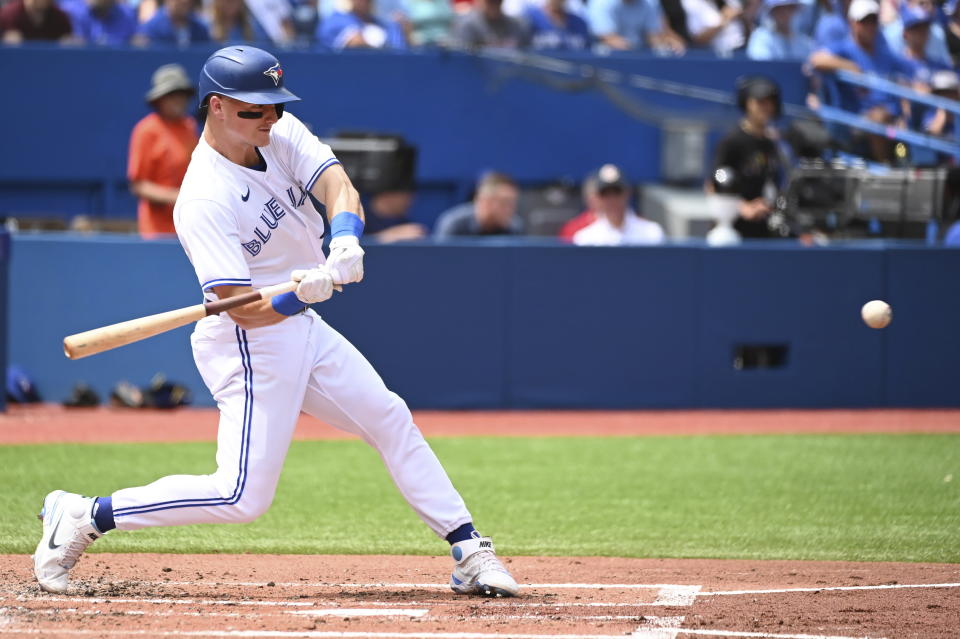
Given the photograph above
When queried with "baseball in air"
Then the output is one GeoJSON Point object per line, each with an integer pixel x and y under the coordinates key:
{"type": "Point", "coordinates": [876, 314]}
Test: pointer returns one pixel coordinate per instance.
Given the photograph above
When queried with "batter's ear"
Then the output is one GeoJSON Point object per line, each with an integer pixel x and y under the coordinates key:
{"type": "Point", "coordinates": [215, 106]}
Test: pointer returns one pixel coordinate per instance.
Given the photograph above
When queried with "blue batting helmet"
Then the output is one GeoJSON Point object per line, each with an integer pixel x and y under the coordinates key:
{"type": "Point", "coordinates": [245, 73]}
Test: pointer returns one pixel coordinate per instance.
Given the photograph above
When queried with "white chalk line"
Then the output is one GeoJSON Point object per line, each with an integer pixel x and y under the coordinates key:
{"type": "Point", "coordinates": [517, 603]}
{"type": "Point", "coordinates": [360, 612]}
{"type": "Point", "coordinates": [444, 586]}
{"type": "Point", "coordinates": [823, 588]}
{"type": "Point", "coordinates": [175, 602]}
{"type": "Point", "coordinates": [343, 612]}
{"type": "Point", "coordinates": [131, 613]}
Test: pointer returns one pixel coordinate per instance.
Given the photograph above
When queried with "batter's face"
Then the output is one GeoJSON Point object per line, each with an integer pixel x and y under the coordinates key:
{"type": "Point", "coordinates": [251, 131]}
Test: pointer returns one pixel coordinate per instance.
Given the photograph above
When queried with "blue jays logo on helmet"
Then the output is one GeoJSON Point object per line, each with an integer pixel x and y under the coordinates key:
{"type": "Point", "coordinates": [274, 73]}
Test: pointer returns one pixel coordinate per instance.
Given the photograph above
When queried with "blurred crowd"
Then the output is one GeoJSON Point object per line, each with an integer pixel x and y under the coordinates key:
{"type": "Point", "coordinates": [915, 43]}
{"type": "Point", "coordinates": [922, 31]}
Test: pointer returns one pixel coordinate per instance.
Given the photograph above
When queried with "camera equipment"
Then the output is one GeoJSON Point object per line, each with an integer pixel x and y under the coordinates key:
{"type": "Point", "coordinates": [831, 196]}
{"type": "Point", "coordinates": [376, 162]}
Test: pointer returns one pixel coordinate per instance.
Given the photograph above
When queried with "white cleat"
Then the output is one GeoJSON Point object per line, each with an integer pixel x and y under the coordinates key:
{"type": "Point", "coordinates": [67, 530]}
{"type": "Point", "coordinates": [478, 571]}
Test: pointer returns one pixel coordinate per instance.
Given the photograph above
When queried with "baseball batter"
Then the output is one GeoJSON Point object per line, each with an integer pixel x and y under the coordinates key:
{"type": "Point", "coordinates": [245, 220]}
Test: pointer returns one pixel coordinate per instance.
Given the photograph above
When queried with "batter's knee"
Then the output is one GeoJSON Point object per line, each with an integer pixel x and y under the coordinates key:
{"type": "Point", "coordinates": [247, 509]}
{"type": "Point", "coordinates": [254, 498]}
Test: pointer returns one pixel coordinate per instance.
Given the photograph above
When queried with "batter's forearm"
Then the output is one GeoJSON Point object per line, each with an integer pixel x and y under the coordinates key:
{"type": "Point", "coordinates": [252, 315]}
{"type": "Point", "coordinates": [347, 200]}
{"type": "Point", "coordinates": [337, 193]}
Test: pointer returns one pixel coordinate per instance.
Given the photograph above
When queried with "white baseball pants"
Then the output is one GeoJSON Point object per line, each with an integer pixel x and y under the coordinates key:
{"type": "Point", "coordinates": [261, 379]}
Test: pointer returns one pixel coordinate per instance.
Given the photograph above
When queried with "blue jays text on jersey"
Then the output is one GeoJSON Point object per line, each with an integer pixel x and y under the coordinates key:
{"type": "Point", "coordinates": [271, 216]}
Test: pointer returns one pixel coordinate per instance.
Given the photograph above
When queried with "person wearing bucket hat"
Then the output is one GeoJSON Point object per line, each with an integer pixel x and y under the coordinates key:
{"type": "Point", "coordinates": [775, 38]}
{"type": "Point", "coordinates": [247, 219]}
{"type": "Point", "coordinates": [160, 148]}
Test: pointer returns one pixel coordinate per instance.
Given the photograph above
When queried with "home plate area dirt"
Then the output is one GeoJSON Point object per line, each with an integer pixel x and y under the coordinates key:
{"type": "Point", "coordinates": [143, 595]}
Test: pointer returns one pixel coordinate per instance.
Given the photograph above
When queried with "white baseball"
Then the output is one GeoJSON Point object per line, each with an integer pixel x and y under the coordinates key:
{"type": "Point", "coordinates": [876, 314]}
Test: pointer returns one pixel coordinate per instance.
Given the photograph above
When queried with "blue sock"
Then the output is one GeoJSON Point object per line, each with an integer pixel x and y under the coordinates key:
{"type": "Point", "coordinates": [103, 514]}
{"type": "Point", "coordinates": [462, 533]}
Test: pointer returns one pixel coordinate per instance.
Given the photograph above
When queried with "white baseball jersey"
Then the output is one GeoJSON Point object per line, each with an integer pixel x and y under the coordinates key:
{"type": "Point", "coordinates": [242, 226]}
{"type": "Point", "coordinates": [247, 227]}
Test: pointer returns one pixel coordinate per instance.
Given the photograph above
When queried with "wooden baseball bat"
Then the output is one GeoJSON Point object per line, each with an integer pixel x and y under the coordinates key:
{"type": "Point", "coordinates": [107, 337]}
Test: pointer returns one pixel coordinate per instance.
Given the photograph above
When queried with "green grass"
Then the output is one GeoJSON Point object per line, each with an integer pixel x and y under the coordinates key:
{"type": "Point", "coordinates": [876, 497]}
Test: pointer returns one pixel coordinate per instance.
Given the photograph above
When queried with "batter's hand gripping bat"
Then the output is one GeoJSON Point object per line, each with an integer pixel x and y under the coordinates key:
{"type": "Point", "coordinates": [108, 337]}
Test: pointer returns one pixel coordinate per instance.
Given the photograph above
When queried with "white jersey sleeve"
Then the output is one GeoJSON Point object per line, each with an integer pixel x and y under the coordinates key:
{"type": "Point", "coordinates": [209, 234]}
{"type": "Point", "coordinates": [304, 154]}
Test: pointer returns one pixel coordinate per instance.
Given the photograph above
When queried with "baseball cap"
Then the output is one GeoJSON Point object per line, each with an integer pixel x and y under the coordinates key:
{"type": "Point", "coordinates": [944, 80]}
{"type": "Point", "coordinates": [609, 177]}
{"type": "Point", "coordinates": [773, 4]}
{"type": "Point", "coordinates": [168, 79]}
{"type": "Point", "coordinates": [860, 9]}
{"type": "Point", "coordinates": [913, 16]}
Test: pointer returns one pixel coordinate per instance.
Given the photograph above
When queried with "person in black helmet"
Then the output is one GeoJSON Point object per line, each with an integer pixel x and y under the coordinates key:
{"type": "Point", "coordinates": [246, 221]}
{"type": "Point", "coordinates": [750, 151]}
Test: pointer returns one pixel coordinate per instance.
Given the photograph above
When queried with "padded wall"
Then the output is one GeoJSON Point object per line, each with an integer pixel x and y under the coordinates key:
{"type": "Point", "coordinates": [504, 325]}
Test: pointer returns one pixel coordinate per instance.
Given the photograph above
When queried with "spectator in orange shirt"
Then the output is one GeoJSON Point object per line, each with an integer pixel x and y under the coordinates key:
{"type": "Point", "coordinates": [160, 149]}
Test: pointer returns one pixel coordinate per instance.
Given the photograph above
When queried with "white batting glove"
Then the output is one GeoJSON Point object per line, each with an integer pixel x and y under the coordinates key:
{"type": "Point", "coordinates": [345, 260]}
{"type": "Point", "coordinates": [316, 284]}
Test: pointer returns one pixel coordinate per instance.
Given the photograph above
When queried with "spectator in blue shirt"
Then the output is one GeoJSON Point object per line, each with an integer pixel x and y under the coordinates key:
{"type": "Point", "coordinates": [231, 21]}
{"type": "Point", "coordinates": [775, 39]}
{"type": "Point", "coordinates": [104, 22]}
{"type": "Point", "coordinates": [865, 51]}
{"type": "Point", "coordinates": [631, 24]}
{"type": "Point", "coordinates": [915, 37]}
{"type": "Point", "coordinates": [360, 28]}
{"type": "Point", "coordinates": [809, 14]}
{"type": "Point", "coordinates": [936, 47]}
{"type": "Point", "coordinates": [832, 26]}
{"type": "Point", "coordinates": [174, 23]}
{"type": "Point", "coordinates": [553, 27]}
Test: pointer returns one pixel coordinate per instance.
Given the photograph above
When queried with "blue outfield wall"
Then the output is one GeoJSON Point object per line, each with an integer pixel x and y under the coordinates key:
{"type": "Point", "coordinates": [465, 114]}
{"type": "Point", "coordinates": [502, 325]}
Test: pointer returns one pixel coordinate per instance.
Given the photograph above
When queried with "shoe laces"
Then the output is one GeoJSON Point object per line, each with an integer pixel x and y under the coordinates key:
{"type": "Point", "coordinates": [484, 560]}
{"type": "Point", "coordinates": [74, 548]}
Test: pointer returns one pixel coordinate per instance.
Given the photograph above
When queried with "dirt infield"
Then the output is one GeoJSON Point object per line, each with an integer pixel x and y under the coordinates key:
{"type": "Point", "coordinates": [371, 597]}
{"type": "Point", "coordinates": [49, 423]}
